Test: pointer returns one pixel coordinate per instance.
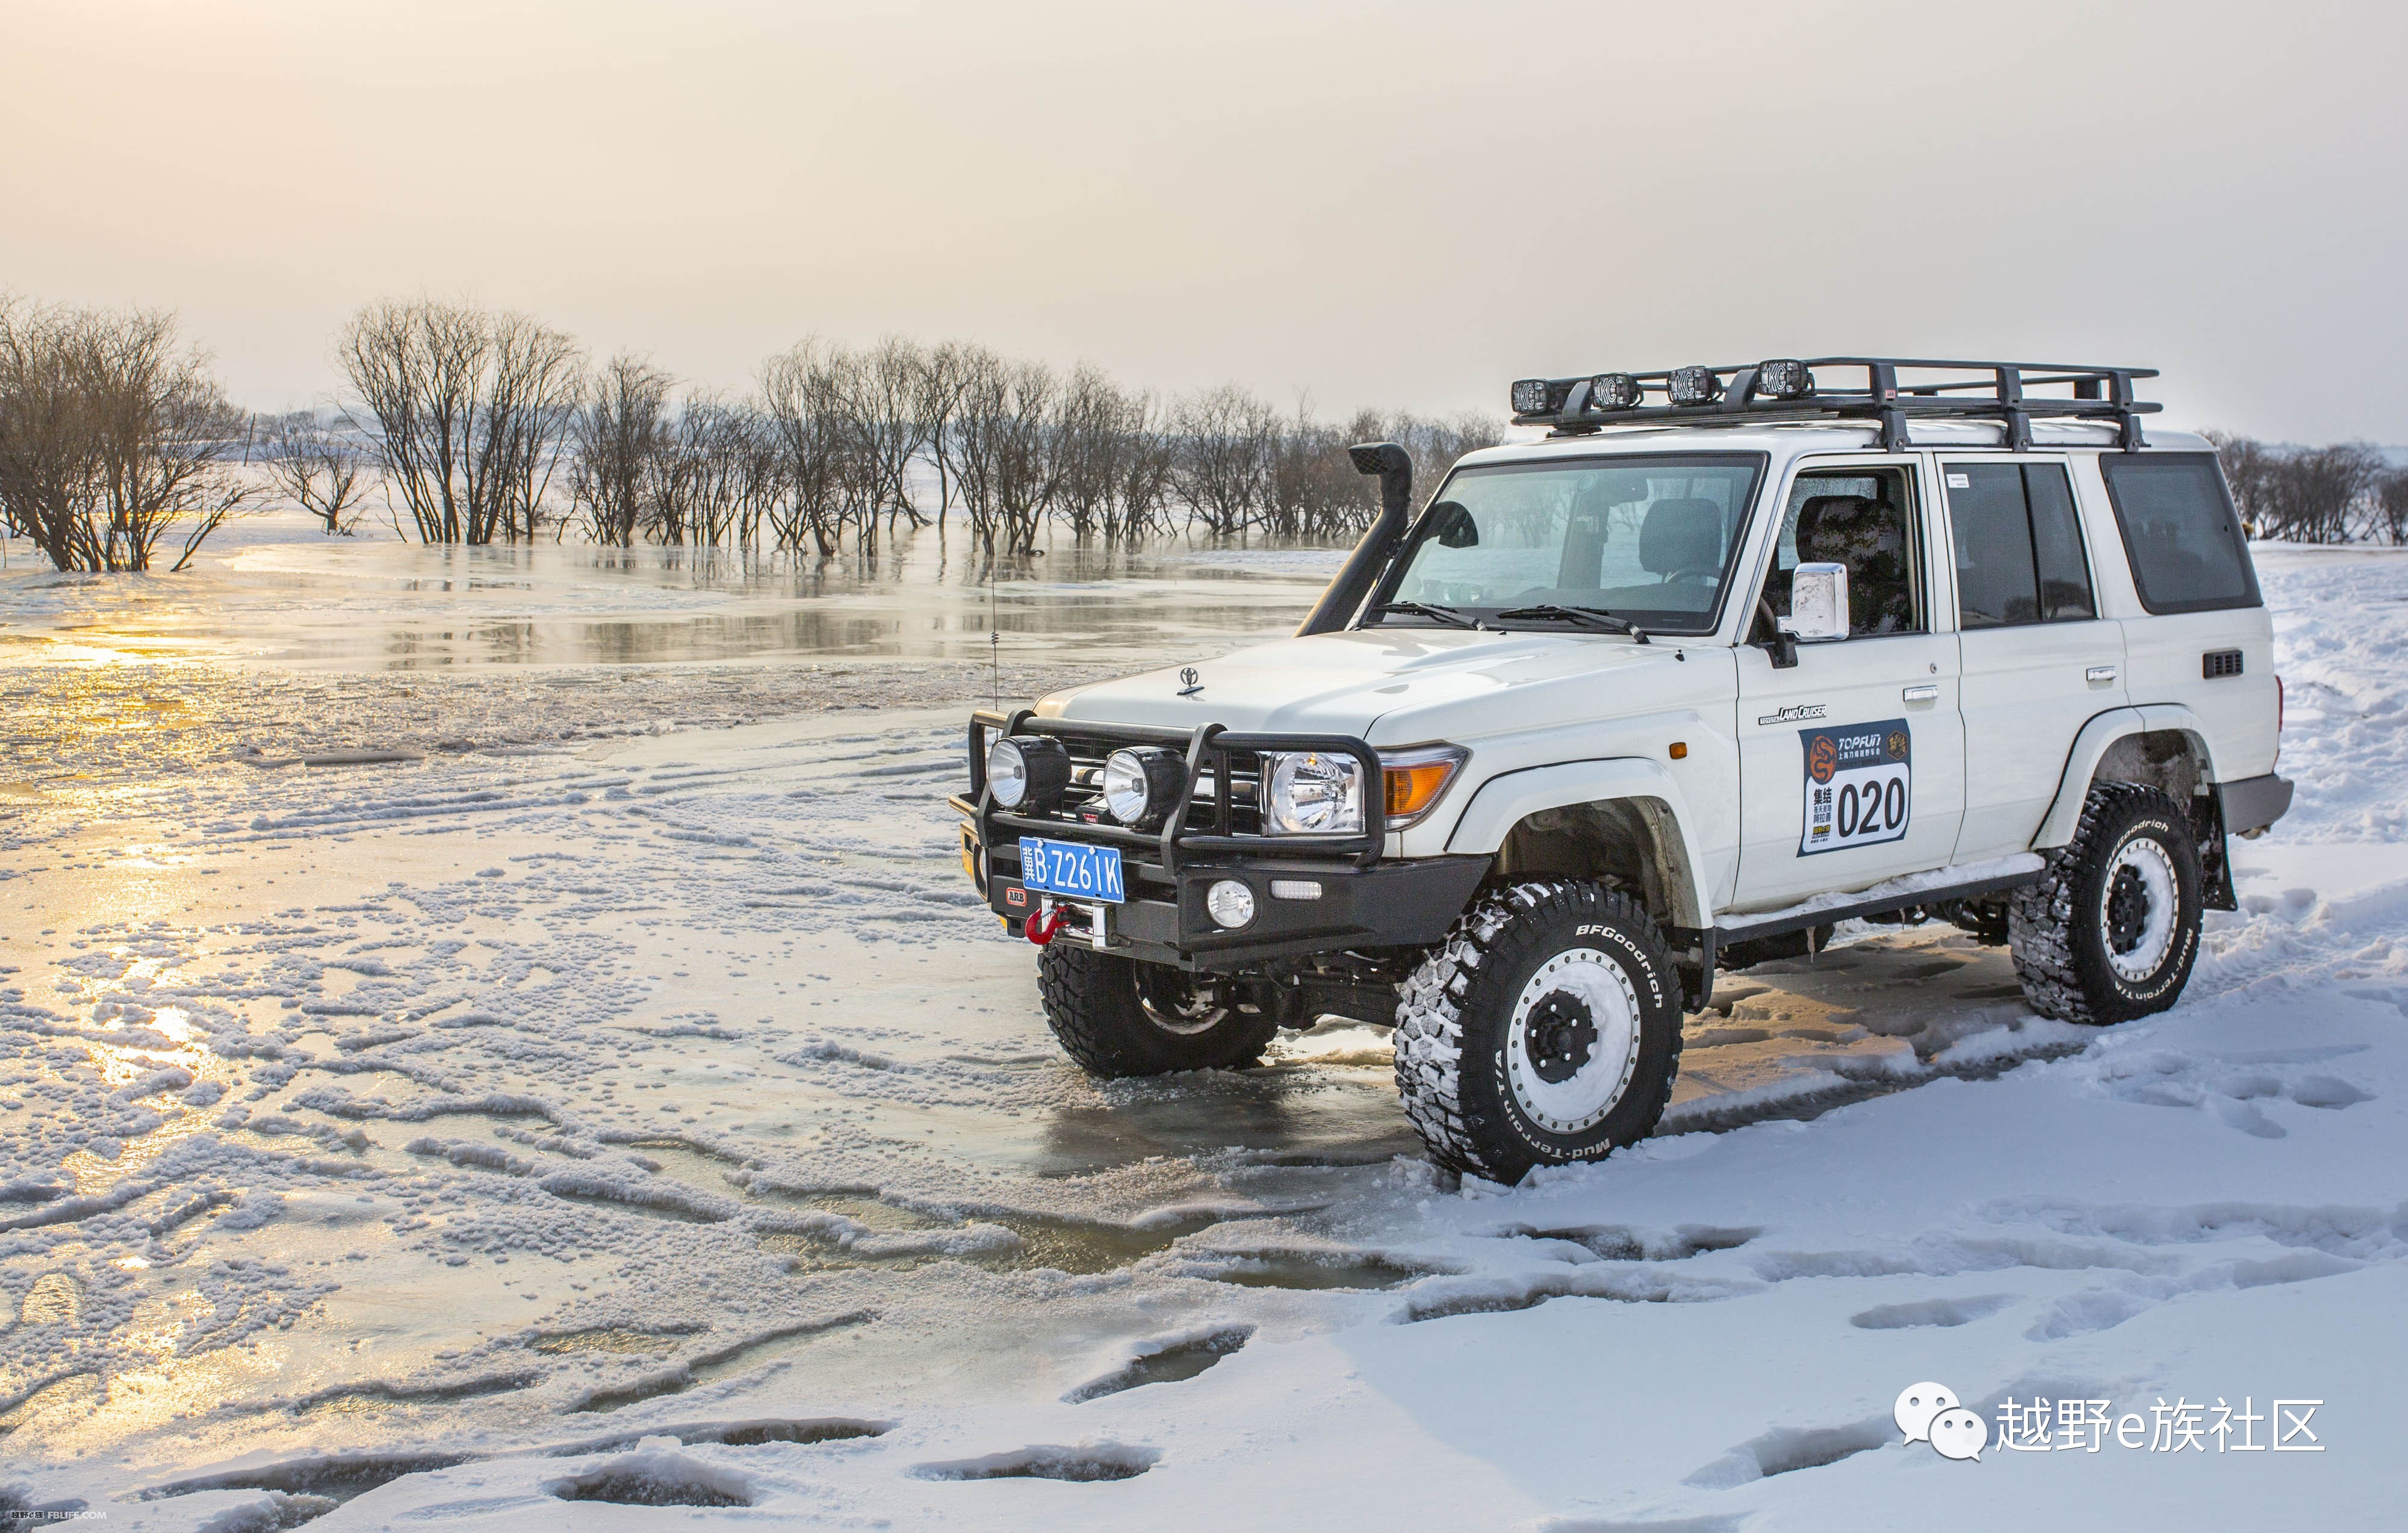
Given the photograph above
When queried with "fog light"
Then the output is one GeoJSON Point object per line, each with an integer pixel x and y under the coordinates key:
{"type": "Point", "coordinates": [1295, 888]}
{"type": "Point", "coordinates": [1229, 903]}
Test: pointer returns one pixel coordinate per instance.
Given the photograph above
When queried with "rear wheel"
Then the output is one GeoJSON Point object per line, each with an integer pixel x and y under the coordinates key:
{"type": "Point", "coordinates": [2111, 931]}
{"type": "Point", "coordinates": [1545, 1029]}
{"type": "Point", "coordinates": [1118, 1017]}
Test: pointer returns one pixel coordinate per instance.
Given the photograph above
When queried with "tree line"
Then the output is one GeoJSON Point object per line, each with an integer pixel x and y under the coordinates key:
{"type": "Point", "coordinates": [474, 427]}
{"type": "Point", "coordinates": [473, 419]}
{"type": "Point", "coordinates": [2345, 493]}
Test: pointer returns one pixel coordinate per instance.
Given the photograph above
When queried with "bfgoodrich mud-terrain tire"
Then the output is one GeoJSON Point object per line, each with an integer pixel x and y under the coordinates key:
{"type": "Point", "coordinates": [2111, 930]}
{"type": "Point", "coordinates": [1117, 1017]}
{"type": "Point", "coordinates": [1545, 1029]}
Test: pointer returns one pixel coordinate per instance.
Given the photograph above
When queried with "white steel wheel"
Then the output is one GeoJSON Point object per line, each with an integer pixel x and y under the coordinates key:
{"type": "Point", "coordinates": [2111, 929]}
{"type": "Point", "coordinates": [1571, 1043]}
{"type": "Point", "coordinates": [2139, 906]}
{"type": "Point", "coordinates": [1544, 1030]}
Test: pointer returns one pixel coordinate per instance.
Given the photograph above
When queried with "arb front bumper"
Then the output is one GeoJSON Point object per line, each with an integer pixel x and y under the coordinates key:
{"type": "Point", "coordinates": [1310, 894]}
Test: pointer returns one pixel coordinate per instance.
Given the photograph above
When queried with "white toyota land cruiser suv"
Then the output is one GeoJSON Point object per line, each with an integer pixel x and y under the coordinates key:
{"type": "Point", "coordinates": [1731, 655]}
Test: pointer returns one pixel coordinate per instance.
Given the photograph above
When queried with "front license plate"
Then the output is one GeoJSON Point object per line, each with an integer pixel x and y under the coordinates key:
{"type": "Point", "coordinates": [1071, 870]}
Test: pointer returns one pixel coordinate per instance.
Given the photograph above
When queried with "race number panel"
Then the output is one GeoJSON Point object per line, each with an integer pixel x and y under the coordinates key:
{"type": "Point", "coordinates": [1859, 788]}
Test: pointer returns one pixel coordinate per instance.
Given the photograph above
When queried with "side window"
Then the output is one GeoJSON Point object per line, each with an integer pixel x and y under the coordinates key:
{"type": "Point", "coordinates": [1863, 518]}
{"type": "Point", "coordinates": [2185, 542]}
{"type": "Point", "coordinates": [2017, 545]}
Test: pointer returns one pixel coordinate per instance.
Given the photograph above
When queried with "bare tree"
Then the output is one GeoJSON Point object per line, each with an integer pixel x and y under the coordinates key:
{"type": "Point", "coordinates": [111, 436]}
{"type": "Point", "coordinates": [471, 411]}
{"type": "Point", "coordinates": [2392, 506]}
{"type": "Point", "coordinates": [2248, 465]}
{"type": "Point", "coordinates": [1001, 448]}
{"type": "Point", "coordinates": [617, 436]}
{"type": "Point", "coordinates": [316, 469]}
{"type": "Point", "coordinates": [1143, 468]}
{"type": "Point", "coordinates": [1222, 467]}
{"type": "Point", "coordinates": [1087, 442]}
{"type": "Point", "coordinates": [888, 407]}
{"type": "Point", "coordinates": [803, 400]}
{"type": "Point", "coordinates": [720, 475]}
{"type": "Point", "coordinates": [2312, 495]}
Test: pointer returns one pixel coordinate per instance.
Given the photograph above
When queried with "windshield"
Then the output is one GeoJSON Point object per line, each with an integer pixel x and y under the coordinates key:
{"type": "Point", "coordinates": [1648, 540]}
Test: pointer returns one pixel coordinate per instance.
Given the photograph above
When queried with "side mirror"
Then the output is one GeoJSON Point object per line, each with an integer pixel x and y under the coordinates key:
{"type": "Point", "coordinates": [1818, 603]}
{"type": "Point", "coordinates": [1453, 526]}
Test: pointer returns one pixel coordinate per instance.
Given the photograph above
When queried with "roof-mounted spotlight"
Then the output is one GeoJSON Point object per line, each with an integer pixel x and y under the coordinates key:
{"type": "Point", "coordinates": [1614, 390]}
{"type": "Point", "coordinates": [1784, 378]}
{"type": "Point", "coordinates": [1530, 396]}
{"type": "Point", "coordinates": [1694, 386]}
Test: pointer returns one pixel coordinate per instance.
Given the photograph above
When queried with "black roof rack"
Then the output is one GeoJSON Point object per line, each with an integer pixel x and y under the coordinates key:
{"type": "Point", "coordinates": [1895, 390]}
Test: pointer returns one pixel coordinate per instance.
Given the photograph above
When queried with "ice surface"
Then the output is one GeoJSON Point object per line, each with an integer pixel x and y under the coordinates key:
{"type": "Point", "coordinates": [626, 1100]}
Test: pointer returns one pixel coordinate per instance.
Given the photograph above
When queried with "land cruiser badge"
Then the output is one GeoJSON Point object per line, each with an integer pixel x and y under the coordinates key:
{"type": "Point", "coordinates": [1859, 785]}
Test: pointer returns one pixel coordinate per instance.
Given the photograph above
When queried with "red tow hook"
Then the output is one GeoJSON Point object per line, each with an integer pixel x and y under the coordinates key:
{"type": "Point", "coordinates": [1040, 929]}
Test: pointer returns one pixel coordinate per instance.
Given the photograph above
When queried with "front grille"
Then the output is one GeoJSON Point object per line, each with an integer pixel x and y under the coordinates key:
{"type": "Point", "coordinates": [1207, 813]}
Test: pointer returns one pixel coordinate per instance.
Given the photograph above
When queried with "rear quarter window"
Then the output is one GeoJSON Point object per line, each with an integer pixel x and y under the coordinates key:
{"type": "Point", "coordinates": [2179, 531]}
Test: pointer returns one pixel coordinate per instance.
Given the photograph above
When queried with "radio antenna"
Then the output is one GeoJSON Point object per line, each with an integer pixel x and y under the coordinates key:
{"type": "Point", "coordinates": [994, 631]}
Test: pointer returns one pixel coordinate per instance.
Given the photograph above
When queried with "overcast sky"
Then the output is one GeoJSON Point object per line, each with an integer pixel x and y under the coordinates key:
{"type": "Point", "coordinates": [1401, 205]}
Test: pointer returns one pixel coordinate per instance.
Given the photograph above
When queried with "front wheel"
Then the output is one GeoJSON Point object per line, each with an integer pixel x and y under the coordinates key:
{"type": "Point", "coordinates": [1546, 1029]}
{"type": "Point", "coordinates": [2111, 931]}
{"type": "Point", "coordinates": [1118, 1017]}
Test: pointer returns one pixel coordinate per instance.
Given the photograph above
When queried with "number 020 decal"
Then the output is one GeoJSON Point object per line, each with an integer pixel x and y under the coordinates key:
{"type": "Point", "coordinates": [1859, 785]}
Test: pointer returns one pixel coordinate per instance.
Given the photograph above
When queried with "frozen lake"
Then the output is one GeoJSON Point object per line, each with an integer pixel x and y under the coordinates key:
{"type": "Point", "coordinates": [278, 592]}
{"type": "Point", "coordinates": [628, 1090]}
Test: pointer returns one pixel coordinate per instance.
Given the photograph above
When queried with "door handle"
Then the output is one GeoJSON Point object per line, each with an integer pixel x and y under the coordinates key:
{"type": "Point", "coordinates": [1927, 693]}
{"type": "Point", "coordinates": [2098, 676]}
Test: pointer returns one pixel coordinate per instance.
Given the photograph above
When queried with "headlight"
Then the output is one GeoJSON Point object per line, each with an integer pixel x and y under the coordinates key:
{"type": "Point", "coordinates": [1141, 786]}
{"type": "Point", "coordinates": [1313, 793]}
{"type": "Point", "coordinates": [1027, 770]}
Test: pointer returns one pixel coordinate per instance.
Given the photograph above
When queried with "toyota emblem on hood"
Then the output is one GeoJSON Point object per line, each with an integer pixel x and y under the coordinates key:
{"type": "Point", "coordinates": [1191, 681]}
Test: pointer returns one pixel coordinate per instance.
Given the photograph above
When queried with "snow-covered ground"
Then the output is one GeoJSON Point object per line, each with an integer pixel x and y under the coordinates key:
{"type": "Point", "coordinates": [623, 1100]}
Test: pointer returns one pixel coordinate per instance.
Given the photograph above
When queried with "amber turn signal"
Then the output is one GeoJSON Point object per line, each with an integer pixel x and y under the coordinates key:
{"type": "Point", "coordinates": [1680, 750]}
{"type": "Point", "coordinates": [1415, 778]}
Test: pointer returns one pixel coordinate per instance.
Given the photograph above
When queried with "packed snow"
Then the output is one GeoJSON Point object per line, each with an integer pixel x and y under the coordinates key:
{"type": "Point", "coordinates": [449, 1086]}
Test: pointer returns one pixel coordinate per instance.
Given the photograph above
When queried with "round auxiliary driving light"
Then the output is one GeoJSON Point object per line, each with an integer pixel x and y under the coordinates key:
{"type": "Point", "coordinates": [1027, 771]}
{"type": "Point", "coordinates": [1229, 903]}
{"type": "Point", "coordinates": [1139, 786]}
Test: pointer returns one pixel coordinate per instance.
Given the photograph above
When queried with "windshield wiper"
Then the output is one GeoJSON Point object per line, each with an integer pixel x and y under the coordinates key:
{"type": "Point", "coordinates": [1594, 617]}
{"type": "Point", "coordinates": [1446, 615]}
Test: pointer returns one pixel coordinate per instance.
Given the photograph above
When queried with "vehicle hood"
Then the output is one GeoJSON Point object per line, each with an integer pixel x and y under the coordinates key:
{"type": "Point", "coordinates": [1391, 686]}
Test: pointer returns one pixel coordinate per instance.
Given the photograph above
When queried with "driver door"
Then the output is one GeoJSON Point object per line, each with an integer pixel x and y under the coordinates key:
{"type": "Point", "coordinates": [1851, 762]}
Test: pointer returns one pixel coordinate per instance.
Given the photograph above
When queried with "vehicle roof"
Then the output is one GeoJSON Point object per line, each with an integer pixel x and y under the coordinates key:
{"type": "Point", "coordinates": [1790, 440]}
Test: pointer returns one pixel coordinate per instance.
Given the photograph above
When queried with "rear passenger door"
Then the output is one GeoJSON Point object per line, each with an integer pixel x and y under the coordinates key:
{"type": "Point", "coordinates": [2037, 660]}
